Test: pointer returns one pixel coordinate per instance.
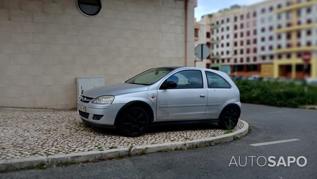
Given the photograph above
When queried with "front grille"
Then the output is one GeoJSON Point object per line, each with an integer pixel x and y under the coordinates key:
{"type": "Point", "coordinates": [84, 114]}
{"type": "Point", "coordinates": [85, 99]}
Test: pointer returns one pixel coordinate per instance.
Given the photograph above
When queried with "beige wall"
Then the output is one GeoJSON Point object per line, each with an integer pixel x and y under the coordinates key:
{"type": "Point", "coordinates": [46, 44]}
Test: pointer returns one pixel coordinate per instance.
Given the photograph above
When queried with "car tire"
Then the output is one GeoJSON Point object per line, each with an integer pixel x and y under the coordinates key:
{"type": "Point", "coordinates": [229, 117]}
{"type": "Point", "coordinates": [132, 121]}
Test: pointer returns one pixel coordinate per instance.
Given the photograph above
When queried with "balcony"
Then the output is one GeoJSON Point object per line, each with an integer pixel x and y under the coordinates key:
{"type": "Point", "coordinates": [296, 27]}
{"type": "Point", "coordinates": [296, 6]}
{"type": "Point", "coordinates": [297, 49]}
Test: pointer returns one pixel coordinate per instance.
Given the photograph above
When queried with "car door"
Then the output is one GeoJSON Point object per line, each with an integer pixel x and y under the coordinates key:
{"type": "Point", "coordinates": [218, 93]}
{"type": "Point", "coordinates": [187, 101]}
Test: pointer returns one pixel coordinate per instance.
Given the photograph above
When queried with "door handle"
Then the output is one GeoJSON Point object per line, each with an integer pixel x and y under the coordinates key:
{"type": "Point", "coordinates": [202, 96]}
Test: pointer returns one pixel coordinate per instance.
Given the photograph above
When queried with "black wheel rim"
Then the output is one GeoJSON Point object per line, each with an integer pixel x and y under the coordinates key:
{"type": "Point", "coordinates": [134, 121]}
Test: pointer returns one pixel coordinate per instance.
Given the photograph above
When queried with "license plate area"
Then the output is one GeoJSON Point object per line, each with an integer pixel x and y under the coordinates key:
{"type": "Point", "coordinates": [82, 108]}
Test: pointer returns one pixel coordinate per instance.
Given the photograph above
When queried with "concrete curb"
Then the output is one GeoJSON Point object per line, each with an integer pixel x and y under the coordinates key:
{"type": "Point", "coordinates": [56, 160]}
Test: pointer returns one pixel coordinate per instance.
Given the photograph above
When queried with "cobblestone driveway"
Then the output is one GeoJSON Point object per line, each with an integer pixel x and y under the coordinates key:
{"type": "Point", "coordinates": [25, 133]}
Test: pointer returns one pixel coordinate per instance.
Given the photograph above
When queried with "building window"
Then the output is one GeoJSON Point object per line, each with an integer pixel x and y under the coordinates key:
{"type": "Point", "coordinates": [241, 17]}
{"type": "Point", "coordinates": [308, 10]}
{"type": "Point", "coordinates": [207, 34]}
{"type": "Point", "coordinates": [263, 57]}
{"type": "Point", "coordinates": [279, 26]}
{"type": "Point", "coordinates": [228, 20]}
{"type": "Point", "coordinates": [271, 38]}
{"type": "Point", "coordinates": [288, 56]}
{"type": "Point", "coordinates": [254, 59]}
{"type": "Point", "coordinates": [308, 43]}
{"type": "Point", "coordinates": [263, 10]}
{"type": "Point", "coordinates": [308, 21]}
{"type": "Point", "coordinates": [262, 29]}
{"type": "Point", "coordinates": [241, 26]}
{"type": "Point", "coordinates": [271, 57]}
{"type": "Point", "coordinates": [288, 45]}
{"type": "Point", "coordinates": [254, 14]}
{"type": "Point", "coordinates": [308, 32]}
{"type": "Point", "coordinates": [254, 41]}
{"type": "Point", "coordinates": [241, 51]}
{"type": "Point", "coordinates": [235, 27]}
{"type": "Point", "coordinates": [263, 48]}
{"type": "Point", "coordinates": [254, 50]}
{"type": "Point", "coordinates": [271, 8]}
{"type": "Point", "coordinates": [254, 32]}
{"type": "Point", "coordinates": [89, 7]}
{"type": "Point", "coordinates": [196, 32]}
{"type": "Point", "coordinates": [263, 39]}
{"type": "Point", "coordinates": [279, 6]}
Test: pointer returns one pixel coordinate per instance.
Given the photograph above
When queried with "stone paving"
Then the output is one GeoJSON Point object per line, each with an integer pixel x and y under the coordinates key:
{"type": "Point", "coordinates": [29, 133]}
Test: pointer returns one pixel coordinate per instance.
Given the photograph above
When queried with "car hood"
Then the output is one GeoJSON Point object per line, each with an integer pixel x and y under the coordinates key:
{"type": "Point", "coordinates": [115, 90]}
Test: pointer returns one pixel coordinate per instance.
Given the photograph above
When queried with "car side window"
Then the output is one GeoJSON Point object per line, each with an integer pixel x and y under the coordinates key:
{"type": "Point", "coordinates": [187, 79]}
{"type": "Point", "coordinates": [216, 81]}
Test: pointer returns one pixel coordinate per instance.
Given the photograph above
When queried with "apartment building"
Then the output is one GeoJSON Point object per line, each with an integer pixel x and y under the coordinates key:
{"type": "Point", "coordinates": [273, 38]}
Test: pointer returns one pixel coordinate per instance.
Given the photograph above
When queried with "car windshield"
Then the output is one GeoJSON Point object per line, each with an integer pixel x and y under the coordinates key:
{"type": "Point", "coordinates": [150, 76]}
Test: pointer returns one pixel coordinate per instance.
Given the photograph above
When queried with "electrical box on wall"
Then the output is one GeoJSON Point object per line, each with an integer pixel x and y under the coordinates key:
{"type": "Point", "coordinates": [86, 83]}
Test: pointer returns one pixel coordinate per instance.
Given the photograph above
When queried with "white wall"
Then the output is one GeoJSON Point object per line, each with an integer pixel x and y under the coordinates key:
{"type": "Point", "coordinates": [46, 44]}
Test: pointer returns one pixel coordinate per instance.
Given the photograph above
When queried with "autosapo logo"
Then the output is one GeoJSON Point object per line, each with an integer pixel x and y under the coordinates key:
{"type": "Point", "coordinates": [267, 161]}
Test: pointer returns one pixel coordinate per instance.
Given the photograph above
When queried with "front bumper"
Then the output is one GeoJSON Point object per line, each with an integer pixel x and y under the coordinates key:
{"type": "Point", "coordinates": [97, 114]}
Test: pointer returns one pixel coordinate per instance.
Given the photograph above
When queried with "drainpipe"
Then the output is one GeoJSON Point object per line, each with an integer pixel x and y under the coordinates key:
{"type": "Point", "coordinates": [186, 31]}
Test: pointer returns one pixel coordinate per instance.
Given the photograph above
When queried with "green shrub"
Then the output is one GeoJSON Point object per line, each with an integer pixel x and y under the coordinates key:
{"type": "Point", "coordinates": [277, 93]}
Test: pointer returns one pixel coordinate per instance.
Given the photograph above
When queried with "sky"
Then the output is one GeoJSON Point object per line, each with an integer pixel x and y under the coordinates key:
{"type": "Point", "coordinates": [209, 6]}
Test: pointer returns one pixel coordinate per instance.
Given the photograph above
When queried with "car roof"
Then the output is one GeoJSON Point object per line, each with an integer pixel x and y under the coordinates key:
{"type": "Point", "coordinates": [199, 68]}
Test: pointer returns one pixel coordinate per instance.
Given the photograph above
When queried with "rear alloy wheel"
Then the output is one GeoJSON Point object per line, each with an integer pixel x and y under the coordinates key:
{"type": "Point", "coordinates": [132, 121]}
{"type": "Point", "coordinates": [229, 117]}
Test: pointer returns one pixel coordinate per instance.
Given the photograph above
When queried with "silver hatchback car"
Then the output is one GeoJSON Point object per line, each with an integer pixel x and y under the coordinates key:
{"type": "Point", "coordinates": [165, 94]}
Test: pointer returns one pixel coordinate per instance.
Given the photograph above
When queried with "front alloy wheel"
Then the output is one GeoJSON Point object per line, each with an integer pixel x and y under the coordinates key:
{"type": "Point", "coordinates": [133, 121]}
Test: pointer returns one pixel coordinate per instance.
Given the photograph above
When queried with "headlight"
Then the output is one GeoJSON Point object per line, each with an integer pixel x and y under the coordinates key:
{"type": "Point", "coordinates": [103, 100]}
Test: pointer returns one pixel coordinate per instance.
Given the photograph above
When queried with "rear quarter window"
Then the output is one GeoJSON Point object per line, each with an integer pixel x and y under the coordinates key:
{"type": "Point", "coordinates": [216, 81]}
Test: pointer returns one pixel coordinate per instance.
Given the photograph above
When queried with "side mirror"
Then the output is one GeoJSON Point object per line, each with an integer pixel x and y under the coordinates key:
{"type": "Point", "coordinates": [168, 85]}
